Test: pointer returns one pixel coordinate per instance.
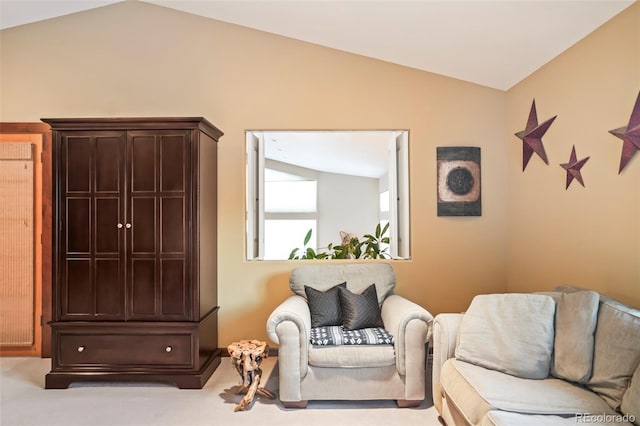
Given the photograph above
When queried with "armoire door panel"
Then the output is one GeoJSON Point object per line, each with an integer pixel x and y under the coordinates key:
{"type": "Point", "coordinates": [109, 294]}
{"type": "Point", "coordinates": [77, 292]}
{"type": "Point", "coordinates": [142, 283]}
{"type": "Point", "coordinates": [107, 234]}
{"type": "Point", "coordinates": [77, 159]}
{"type": "Point", "coordinates": [173, 232]}
{"type": "Point", "coordinates": [172, 171]}
{"type": "Point", "coordinates": [174, 290]}
{"type": "Point", "coordinates": [143, 232]}
{"type": "Point", "coordinates": [78, 225]}
{"type": "Point", "coordinates": [143, 163]}
{"type": "Point", "coordinates": [108, 163]}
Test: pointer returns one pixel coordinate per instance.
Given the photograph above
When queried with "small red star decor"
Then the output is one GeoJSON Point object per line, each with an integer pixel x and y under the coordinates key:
{"type": "Point", "coordinates": [630, 136]}
{"type": "Point", "coordinates": [573, 168]}
{"type": "Point", "coordinates": [532, 137]}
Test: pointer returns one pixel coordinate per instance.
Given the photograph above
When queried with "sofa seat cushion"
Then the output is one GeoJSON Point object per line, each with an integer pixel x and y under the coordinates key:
{"type": "Point", "coordinates": [505, 418]}
{"type": "Point", "coordinates": [476, 390]}
{"type": "Point", "coordinates": [352, 356]}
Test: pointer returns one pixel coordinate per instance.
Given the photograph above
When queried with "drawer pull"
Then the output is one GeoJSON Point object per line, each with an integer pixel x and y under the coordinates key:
{"type": "Point", "coordinates": [80, 348]}
{"type": "Point", "coordinates": [168, 349]}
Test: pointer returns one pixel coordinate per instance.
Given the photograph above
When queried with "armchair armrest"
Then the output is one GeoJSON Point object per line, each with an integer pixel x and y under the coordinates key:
{"type": "Point", "coordinates": [445, 336]}
{"type": "Point", "coordinates": [289, 326]}
{"type": "Point", "coordinates": [410, 324]}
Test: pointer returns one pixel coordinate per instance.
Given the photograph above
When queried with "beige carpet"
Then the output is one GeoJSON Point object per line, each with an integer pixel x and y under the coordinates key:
{"type": "Point", "coordinates": [24, 401]}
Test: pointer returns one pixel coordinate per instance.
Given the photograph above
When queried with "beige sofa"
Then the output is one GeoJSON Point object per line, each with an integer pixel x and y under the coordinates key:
{"type": "Point", "coordinates": [359, 372]}
{"type": "Point", "coordinates": [560, 358]}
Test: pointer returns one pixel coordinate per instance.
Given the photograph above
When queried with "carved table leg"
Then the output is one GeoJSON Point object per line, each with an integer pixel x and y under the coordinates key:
{"type": "Point", "coordinates": [247, 355]}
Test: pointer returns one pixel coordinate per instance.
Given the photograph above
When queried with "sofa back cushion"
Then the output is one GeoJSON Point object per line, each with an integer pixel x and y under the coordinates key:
{"type": "Point", "coordinates": [511, 333]}
{"type": "Point", "coordinates": [617, 350]}
{"type": "Point", "coordinates": [616, 353]}
{"type": "Point", "coordinates": [358, 277]}
{"type": "Point", "coordinates": [575, 323]}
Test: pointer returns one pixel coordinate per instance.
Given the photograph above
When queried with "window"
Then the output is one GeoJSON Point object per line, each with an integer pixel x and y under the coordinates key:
{"type": "Point", "coordinates": [326, 181]}
{"type": "Point", "coordinates": [289, 212]}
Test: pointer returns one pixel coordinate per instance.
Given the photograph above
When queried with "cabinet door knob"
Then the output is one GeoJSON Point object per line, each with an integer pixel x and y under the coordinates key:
{"type": "Point", "coordinates": [168, 349]}
{"type": "Point", "coordinates": [128, 225]}
{"type": "Point", "coordinates": [119, 226]}
{"type": "Point", "coordinates": [80, 348]}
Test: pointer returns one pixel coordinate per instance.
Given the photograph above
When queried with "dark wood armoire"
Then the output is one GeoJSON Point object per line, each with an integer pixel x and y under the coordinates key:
{"type": "Point", "coordinates": [134, 251]}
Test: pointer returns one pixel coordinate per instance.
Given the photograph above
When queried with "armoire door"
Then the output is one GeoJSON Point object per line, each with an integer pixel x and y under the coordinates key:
{"type": "Point", "coordinates": [158, 212]}
{"type": "Point", "coordinates": [91, 188]}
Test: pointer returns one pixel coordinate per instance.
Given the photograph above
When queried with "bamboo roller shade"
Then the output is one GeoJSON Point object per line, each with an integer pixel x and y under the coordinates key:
{"type": "Point", "coordinates": [16, 244]}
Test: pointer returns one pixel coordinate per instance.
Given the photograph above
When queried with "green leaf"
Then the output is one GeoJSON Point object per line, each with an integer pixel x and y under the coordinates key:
{"type": "Point", "coordinates": [293, 254]}
{"type": "Point", "coordinates": [307, 237]}
{"type": "Point", "coordinates": [386, 227]}
{"type": "Point", "coordinates": [378, 230]}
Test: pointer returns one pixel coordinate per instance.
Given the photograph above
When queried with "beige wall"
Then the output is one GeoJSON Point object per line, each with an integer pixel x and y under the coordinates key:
{"type": "Point", "coordinates": [136, 59]}
{"type": "Point", "coordinates": [584, 236]}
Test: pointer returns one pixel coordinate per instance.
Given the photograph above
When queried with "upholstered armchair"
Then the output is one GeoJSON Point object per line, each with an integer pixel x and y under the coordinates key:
{"type": "Point", "coordinates": [322, 371]}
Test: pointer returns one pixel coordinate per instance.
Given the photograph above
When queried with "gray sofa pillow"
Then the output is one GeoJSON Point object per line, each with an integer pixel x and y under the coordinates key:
{"type": "Point", "coordinates": [324, 306]}
{"type": "Point", "coordinates": [360, 310]}
{"type": "Point", "coordinates": [575, 323]}
{"type": "Point", "coordinates": [511, 333]}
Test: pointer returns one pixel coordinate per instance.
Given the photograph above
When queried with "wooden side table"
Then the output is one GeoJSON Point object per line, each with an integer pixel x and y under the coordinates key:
{"type": "Point", "coordinates": [246, 356]}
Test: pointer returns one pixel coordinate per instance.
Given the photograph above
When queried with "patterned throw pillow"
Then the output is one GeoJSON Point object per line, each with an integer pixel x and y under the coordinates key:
{"type": "Point", "coordinates": [360, 310]}
{"type": "Point", "coordinates": [324, 306]}
{"type": "Point", "coordinates": [337, 335]}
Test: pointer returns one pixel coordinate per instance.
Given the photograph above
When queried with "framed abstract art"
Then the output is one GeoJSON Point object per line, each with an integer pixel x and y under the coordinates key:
{"type": "Point", "coordinates": [459, 189]}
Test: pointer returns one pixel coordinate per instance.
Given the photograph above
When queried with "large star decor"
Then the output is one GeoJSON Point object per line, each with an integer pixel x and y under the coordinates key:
{"type": "Point", "coordinates": [573, 168]}
{"type": "Point", "coordinates": [630, 136]}
{"type": "Point", "coordinates": [532, 137]}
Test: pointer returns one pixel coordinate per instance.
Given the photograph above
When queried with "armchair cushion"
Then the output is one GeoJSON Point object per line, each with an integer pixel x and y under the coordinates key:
{"type": "Point", "coordinates": [336, 336]}
{"type": "Point", "coordinates": [360, 310]}
{"type": "Point", "coordinates": [511, 333]}
{"type": "Point", "coordinates": [345, 357]}
{"type": "Point", "coordinates": [324, 306]}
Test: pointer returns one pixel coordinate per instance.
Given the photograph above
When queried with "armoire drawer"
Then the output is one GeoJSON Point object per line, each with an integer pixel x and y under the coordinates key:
{"type": "Point", "coordinates": [126, 350]}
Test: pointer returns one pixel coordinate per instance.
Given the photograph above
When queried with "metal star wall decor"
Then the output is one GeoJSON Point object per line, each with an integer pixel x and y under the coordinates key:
{"type": "Point", "coordinates": [573, 168]}
{"type": "Point", "coordinates": [532, 137]}
{"type": "Point", "coordinates": [630, 136]}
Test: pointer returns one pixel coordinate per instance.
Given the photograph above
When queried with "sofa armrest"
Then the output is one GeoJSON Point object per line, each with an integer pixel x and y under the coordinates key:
{"type": "Point", "coordinates": [445, 335]}
{"type": "Point", "coordinates": [410, 324]}
{"type": "Point", "coordinates": [289, 326]}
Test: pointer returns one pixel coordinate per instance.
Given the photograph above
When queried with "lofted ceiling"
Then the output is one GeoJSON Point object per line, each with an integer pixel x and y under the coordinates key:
{"type": "Point", "coordinates": [491, 43]}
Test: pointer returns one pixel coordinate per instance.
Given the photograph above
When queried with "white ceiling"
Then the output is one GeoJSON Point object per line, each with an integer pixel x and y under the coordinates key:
{"type": "Point", "coordinates": [359, 153]}
{"type": "Point", "coordinates": [492, 43]}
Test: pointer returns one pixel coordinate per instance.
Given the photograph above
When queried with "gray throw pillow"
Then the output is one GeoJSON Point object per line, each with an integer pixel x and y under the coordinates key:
{"type": "Point", "coordinates": [324, 306]}
{"type": "Point", "coordinates": [360, 310]}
